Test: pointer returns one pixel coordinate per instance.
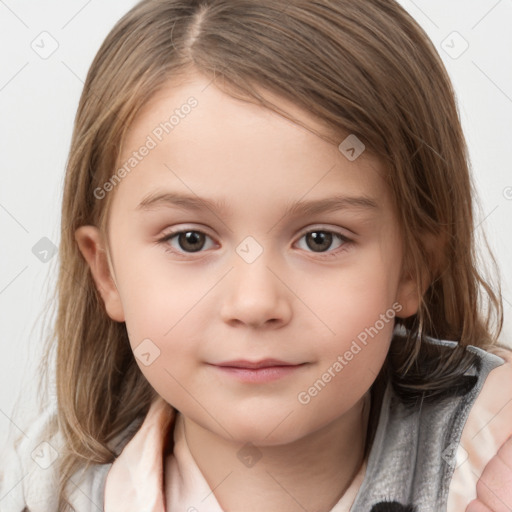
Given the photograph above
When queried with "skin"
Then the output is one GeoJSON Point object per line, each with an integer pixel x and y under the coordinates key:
{"type": "Point", "coordinates": [292, 303]}
{"type": "Point", "coordinates": [494, 487]}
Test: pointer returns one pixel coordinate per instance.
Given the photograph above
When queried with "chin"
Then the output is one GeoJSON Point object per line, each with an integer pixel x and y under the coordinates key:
{"type": "Point", "coordinates": [263, 430]}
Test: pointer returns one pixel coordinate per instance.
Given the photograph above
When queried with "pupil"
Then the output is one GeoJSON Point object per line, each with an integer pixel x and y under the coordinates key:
{"type": "Point", "coordinates": [321, 236]}
{"type": "Point", "coordinates": [191, 239]}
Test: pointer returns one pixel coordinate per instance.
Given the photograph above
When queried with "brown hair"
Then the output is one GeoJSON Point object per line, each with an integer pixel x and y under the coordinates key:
{"type": "Point", "coordinates": [365, 68]}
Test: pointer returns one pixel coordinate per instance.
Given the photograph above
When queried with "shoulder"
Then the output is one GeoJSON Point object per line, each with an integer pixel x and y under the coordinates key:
{"type": "Point", "coordinates": [26, 471]}
{"type": "Point", "coordinates": [491, 414]}
{"type": "Point", "coordinates": [488, 426]}
{"type": "Point", "coordinates": [490, 420]}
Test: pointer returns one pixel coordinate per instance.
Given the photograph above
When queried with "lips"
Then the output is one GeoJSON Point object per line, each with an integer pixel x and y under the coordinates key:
{"type": "Point", "coordinates": [257, 372]}
{"type": "Point", "coordinates": [265, 363]}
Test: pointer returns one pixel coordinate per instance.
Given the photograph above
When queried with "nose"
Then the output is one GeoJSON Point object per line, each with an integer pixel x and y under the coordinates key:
{"type": "Point", "coordinates": [255, 295]}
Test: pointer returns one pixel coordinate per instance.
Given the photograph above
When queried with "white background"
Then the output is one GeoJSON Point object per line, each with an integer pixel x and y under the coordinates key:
{"type": "Point", "coordinates": [38, 101]}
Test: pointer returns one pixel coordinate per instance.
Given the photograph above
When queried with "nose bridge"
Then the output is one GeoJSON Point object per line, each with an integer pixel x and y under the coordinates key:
{"type": "Point", "coordinates": [255, 295]}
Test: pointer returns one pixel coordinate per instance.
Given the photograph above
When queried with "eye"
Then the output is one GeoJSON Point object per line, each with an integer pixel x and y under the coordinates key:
{"type": "Point", "coordinates": [189, 241]}
{"type": "Point", "coordinates": [320, 239]}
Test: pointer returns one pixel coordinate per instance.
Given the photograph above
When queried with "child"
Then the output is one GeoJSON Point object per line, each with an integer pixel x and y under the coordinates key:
{"type": "Point", "coordinates": [256, 371]}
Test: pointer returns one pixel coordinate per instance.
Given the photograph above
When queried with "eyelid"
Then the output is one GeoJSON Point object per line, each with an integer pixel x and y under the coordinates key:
{"type": "Point", "coordinates": [330, 229]}
{"type": "Point", "coordinates": [198, 228]}
{"type": "Point", "coordinates": [166, 237]}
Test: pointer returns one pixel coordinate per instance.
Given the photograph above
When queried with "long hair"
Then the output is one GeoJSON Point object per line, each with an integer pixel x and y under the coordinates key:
{"type": "Point", "coordinates": [365, 68]}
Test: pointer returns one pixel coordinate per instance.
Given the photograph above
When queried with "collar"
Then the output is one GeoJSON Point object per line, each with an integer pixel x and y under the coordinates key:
{"type": "Point", "coordinates": [136, 479]}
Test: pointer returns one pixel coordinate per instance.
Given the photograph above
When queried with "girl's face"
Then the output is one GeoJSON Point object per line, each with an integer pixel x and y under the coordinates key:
{"type": "Point", "coordinates": [293, 253]}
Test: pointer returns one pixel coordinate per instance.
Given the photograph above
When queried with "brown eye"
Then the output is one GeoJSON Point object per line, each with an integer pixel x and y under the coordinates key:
{"type": "Point", "coordinates": [319, 240]}
{"type": "Point", "coordinates": [191, 241]}
{"type": "Point", "coordinates": [188, 241]}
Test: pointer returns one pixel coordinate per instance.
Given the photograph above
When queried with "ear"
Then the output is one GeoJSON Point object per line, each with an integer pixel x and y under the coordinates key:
{"type": "Point", "coordinates": [91, 245]}
{"type": "Point", "coordinates": [410, 290]}
{"type": "Point", "coordinates": [408, 295]}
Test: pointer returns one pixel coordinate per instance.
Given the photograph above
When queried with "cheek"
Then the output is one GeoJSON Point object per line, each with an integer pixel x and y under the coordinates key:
{"type": "Point", "coordinates": [166, 353]}
{"type": "Point", "coordinates": [346, 372]}
{"type": "Point", "coordinates": [164, 320]}
{"type": "Point", "coordinates": [358, 310]}
{"type": "Point", "coordinates": [358, 297]}
{"type": "Point", "coordinates": [158, 296]}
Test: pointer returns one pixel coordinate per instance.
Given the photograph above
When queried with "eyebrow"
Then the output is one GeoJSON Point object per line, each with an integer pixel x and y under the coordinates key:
{"type": "Point", "coordinates": [311, 207]}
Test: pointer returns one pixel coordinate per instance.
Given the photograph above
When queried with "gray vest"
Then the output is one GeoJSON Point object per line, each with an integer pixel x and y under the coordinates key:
{"type": "Point", "coordinates": [412, 458]}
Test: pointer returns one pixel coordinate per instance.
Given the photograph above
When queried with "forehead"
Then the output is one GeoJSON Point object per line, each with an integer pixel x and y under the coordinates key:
{"type": "Point", "coordinates": [194, 137]}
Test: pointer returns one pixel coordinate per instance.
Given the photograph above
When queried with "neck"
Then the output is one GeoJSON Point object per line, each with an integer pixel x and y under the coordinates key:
{"type": "Point", "coordinates": [311, 473]}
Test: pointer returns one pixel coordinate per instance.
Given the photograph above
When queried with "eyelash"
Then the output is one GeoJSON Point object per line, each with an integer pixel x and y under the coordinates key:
{"type": "Point", "coordinates": [330, 254]}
